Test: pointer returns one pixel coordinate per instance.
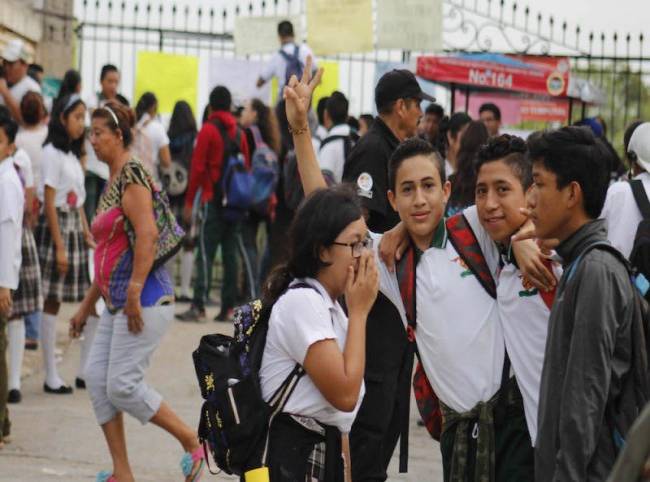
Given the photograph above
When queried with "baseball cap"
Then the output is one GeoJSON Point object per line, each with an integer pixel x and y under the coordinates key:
{"type": "Point", "coordinates": [639, 147]}
{"type": "Point", "coordinates": [15, 50]}
{"type": "Point", "coordinates": [399, 84]}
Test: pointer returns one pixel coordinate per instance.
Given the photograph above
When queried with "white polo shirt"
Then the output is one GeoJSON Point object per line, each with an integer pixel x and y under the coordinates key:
{"type": "Point", "coordinates": [12, 205]}
{"type": "Point", "coordinates": [524, 313]}
{"type": "Point", "coordinates": [20, 88]}
{"type": "Point", "coordinates": [24, 163]}
{"type": "Point", "coordinates": [300, 318]}
{"type": "Point", "coordinates": [622, 213]}
{"type": "Point", "coordinates": [63, 172]}
{"type": "Point", "coordinates": [458, 334]}
{"type": "Point", "coordinates": [332, 154]}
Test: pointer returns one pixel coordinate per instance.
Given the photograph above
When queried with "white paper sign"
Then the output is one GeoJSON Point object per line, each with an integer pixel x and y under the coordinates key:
{"type": "Point", "coordinates": [240, 76]}
{"type": "Point", "coordinates": [409, 25]}
{"type": "Point", "coordinates": [259, 35]}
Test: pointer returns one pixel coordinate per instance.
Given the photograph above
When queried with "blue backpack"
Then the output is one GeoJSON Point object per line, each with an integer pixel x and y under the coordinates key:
{"type": "Point", "coordinates": [294, 65]}
{"type": "Point", "coordinates": [235, 187]}
{"type": "Point", "coordinates": [266, 172]}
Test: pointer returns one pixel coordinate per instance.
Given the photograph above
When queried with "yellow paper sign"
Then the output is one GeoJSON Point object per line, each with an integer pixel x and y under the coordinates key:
{"type": "Point", "coordinates": [329, 83]}
{"type": "Point", "coordinates": [258, 35]}
{"type": "Point", "coordinates": [170, 77]}
{"type": "Point", "coordinates": [339, 26]}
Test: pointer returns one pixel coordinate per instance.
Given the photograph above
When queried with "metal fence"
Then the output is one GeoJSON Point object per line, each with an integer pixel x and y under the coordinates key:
{"type": "Point", "coordinates": [114, 31]}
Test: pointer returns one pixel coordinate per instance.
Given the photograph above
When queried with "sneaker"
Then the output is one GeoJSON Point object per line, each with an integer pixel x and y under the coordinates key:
{"type": "Point", "coordinates": [224, 315]}
{"type": "Point", "coordinates": [14, 396]}
{"type": "Point", "coordinates": [31, 345]}
{"type": "Point", "coordinates": [80, 383]}
{"type": "Point", "coordinates": [183, 299]}
{"type": "Point", "coordinates": [194, 314]}
{"type": "Point", "coordinates": [62, 390]}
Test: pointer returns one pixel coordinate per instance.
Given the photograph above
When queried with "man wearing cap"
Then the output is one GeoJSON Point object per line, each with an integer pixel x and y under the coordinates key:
{"type": "Point", "coordinates": [16, 83]}
{"type": "Point", "coordinates": [383, 416]}
{"type": "Point", "coordinates": [397, 97]}
{"type": "Point", "coordinates": [621, 211]}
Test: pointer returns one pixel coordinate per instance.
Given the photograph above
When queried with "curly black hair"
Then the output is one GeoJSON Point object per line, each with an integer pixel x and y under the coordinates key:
{"type": "Point", "coordinates": [512, 151]}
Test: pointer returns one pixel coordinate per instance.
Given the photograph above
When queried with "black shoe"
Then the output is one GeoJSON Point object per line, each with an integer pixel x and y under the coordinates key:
{"type": "Point", "coordinates": [224, 315]}
{"type": "Point", "coordinates": [14, 396]}
{"type": "Point", "coordinates": [183, 299]}
{"type": "Point", "coordinates": [31, 345]}
{"type": "Point", "coordinates": [80, 383]}
{"type": "Point", "coordinates": [192, 315]}
{"type": "Point", "coordinates": [62, 390]}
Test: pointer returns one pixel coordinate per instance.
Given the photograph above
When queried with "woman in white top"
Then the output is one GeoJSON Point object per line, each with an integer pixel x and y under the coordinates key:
{"type": "Point", "coordinates": [62, 234]}
{"type": "Point", "coordinates": [309, 329]}
{"type": "Point", "coordinates": [151, 134]}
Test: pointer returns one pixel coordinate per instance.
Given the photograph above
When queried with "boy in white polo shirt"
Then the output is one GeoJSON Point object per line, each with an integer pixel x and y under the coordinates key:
{"type": "Point", "coordinates": [12, 202]}
{"type": "Point", "coordinates": [504, 174]}
{"type": "Point", "coordinates": [461, 344]}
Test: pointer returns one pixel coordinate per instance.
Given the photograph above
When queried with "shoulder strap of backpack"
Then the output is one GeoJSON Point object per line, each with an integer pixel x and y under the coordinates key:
{"type": "Point", "coordinates": [605, 246]}
{"type": "Point", "coordinates": [464, 240]}
{"type": "Point", "coordinates": [329, 139]}
{"type": "Point", "coordinates": [641, 197]}
{"type": "Point", "coordinates": [257, 136]}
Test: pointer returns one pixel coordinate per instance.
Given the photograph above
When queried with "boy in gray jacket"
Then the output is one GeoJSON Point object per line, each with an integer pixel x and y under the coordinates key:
{"type": "Point", "coordinates": [589, 359]}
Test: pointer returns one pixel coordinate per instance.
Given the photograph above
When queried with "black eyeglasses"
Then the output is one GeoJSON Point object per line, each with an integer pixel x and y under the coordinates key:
{"type": "Point", "coordinates": [357, 247]}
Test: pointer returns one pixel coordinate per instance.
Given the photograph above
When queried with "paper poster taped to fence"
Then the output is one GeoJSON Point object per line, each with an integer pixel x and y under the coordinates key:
{"type": "Point", "coordinates": [339, 26]}
{"type": "Point", "coordinates": [259, 35]}
{"type": "Point", "coordinates": [409, 25]}
{"type": "Point", "coordinates": [240, 76]}
{"type": "Point", "coordinates": [171, 77]}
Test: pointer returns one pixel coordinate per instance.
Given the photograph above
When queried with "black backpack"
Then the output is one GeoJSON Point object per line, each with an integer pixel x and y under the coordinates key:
{"type": "Point", "coordinates": [291, 183]}
{"type": "Point", "coordinates": [640, 256]}
{"type": "Point", "coordinates": [235, 419]}
{"type": "Point", "coordinates": [294, 65]}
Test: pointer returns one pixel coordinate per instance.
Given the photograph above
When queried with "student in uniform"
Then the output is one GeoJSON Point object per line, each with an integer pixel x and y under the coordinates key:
{"type": "Point", "coordinates": [28, 298]}
{"type": "Point", "coordinates": [12, 203]}
{"type": "Point", "coordinates": [328, 258]}
{"type": "Point", "coordinates": [62, 233]}
{"type": "Point", "coordinates": [461, 345]}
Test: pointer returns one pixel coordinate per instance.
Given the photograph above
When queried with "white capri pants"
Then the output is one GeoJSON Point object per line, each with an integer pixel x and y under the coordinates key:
{"type": "Point", "coordinates": [117, 361]}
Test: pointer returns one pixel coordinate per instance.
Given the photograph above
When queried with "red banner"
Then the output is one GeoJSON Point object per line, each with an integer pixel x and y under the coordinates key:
{"type": "Point", "coordinates": [516, 73]}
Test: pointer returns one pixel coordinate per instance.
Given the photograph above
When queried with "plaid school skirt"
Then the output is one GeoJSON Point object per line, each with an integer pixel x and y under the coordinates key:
{"type": "Point", "coordinates": [73, 285]}
{"type": "Point", "coordinates": [28, 297]}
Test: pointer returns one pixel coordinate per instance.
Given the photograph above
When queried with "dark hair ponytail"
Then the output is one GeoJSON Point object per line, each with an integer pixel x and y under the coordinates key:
{"type": "Point", "coordinates": [318, 222]}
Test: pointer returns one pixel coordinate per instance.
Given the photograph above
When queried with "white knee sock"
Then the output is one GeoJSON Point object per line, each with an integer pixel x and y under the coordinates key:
{"type": "Point", "coordinates": [187, 264]}
{"type": "Point", "coordinates": [16, 335]}
{"type": "Point", "coordinates": [86, 343]}
{"type": "Point", "coordinates": [48, 341]}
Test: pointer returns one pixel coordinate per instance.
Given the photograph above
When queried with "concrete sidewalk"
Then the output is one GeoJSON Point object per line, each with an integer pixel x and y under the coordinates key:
{"type": "Point", "coordinates": [55, 437]}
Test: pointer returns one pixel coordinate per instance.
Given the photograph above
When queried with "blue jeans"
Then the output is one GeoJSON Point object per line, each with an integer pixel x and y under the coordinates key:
{"type": "Point", "coordinates": [33, 325]}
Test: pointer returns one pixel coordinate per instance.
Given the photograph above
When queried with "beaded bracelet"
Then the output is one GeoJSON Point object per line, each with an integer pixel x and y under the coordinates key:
{"type": "Point", "coordinates": [297, 132]}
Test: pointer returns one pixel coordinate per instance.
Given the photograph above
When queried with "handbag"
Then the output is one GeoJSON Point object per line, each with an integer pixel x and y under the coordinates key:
{"type": "Point", "coordinates": [170, 234]}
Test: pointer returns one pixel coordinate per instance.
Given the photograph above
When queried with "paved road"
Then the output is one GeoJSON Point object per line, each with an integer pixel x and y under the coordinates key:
{"type": "Point", "coordinates": [55, 438]}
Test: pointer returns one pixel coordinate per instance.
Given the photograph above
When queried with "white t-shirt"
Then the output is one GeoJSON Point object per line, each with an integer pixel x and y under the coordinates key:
{"type": "Point", "coordinates": [64, 173]}
{"type": "Point", "coordinates": [20, 88]}
{"type": "Point", "coordinates": [22, 160]}
{"type": "Point", "coordinates": [12, 205]}
{"type": "Point", "coordinates": [449, 169]}
{"type": "Point", "coordinates": [622, 213]}
{"type": "Point", "coordinates": [277, 66]}
{"type": "Point", "coordinates": [300, 318]}
{"type": "Point", "coordinates": [159, 139]}
{"type": "Point", "coordinates": [459, 334]}
{"type": "Point", "coordinates": [31, 140]}
{"type": "Point", "coordinates": [93, 164]}
{"type": "Point", "coordinates": [332, 154]}
{"type": "Point", "coordinates": [524, 312]}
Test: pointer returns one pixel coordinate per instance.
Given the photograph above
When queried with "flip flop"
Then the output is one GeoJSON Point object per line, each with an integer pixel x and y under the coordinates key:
{"type": "Point", "coordinates": [192, 464]}
{"type": "Point", "coordinates": [105, 476]}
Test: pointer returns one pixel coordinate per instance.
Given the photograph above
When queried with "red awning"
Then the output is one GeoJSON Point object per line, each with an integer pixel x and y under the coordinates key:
{"type": "Point", "coordinates": [515, 73]}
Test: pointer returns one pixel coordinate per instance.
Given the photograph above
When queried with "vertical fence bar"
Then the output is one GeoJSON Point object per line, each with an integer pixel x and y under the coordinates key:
{"type": "Point", "coordinates": [641, 65]}
{"type": "Point", "coordinates": [626, 85]}
{"type": "Point", "coordinates": [612, 125]}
